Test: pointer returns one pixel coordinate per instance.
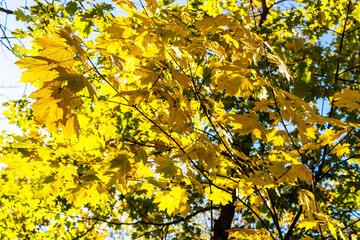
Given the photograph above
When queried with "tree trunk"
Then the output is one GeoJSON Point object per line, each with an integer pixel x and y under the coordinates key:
{"type": "Point", "coordinates": [223, 223]}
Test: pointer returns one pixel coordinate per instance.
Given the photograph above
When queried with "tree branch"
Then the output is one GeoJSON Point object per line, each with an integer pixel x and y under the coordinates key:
{"type": "Point", "coordinates": [277, 3]}
{"type": "Point", "coordinates": [87, 231]}
{"type": "Point", "coordinates": [276, 220]}
{"type": "Point", "coordinates": [272, 212]}
{"type": "Point", "coordinates": [264, 13]}
{"type": "Point", "coordinates": [158, 224]}
{"type": "Point", "coordinates": [339, 79]}
{"type": "Point", "coordinates": [344, 228]}
{"type": "Point", "coordinates": [322, 161]}
{"type": "Point", "coordinates": [339, 163]}
{"type": "Point", "coordinates": [223, 223]}
{"type": "Point", "coordinates": [349, 69]}
{"type": "Point", "coordinates": [340, 50]}
{"type": "Point", "coordinates": [7, 11]}
{"type": "Point", "coordinates": [293, 224]}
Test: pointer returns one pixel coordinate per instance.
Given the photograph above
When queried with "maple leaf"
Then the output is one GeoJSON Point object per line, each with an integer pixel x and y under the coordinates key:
{"type": "Point", "coordinates": [306, 198]}
{"type": "Point", "coordinates": [348, 98]}
{"type": "Point", "coordinates": [55, 48]}
{"type": "Point", "coordinates": [122, 163]}
{"type": "Point", "coordinates": [39, 68]}
{"type": "Point", "coordinates": [166, 166]}
{"type": "Point", "coordinates": [172, 200]}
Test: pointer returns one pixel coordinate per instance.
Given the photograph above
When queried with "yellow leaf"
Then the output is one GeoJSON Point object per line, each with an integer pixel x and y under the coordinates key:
{"type": "Point", "coordinates": [243, 124]}
{"type": "Point", "coordinates": [140, 155]}
{"type": "Point", "coordinates": [72, 126]}
{"type": "Point", "coordinates": [306, 199]}
{"type": "Point", "coordinates": [356, 13]}
{"type": "Point", "coordinates": [147, 76]}
{"type": "Point", "coordinates": [307, 238]}
{"type": "Point", "coordinates": [299, 171]}
{"type": "Point", "coordinates": [134, 97]}
{"type": "Point", "coordinates": [206, 25]}
{"type": "Point", "coordinates": [308, 224]}
{"type": "Point", "coordinates": [249, 234]}
{"type": "Point", "coordinates": [47, 109]}
{"type": "Point", "coordinates": [39, 68]}
{"type": "Point", "coordinates": [341, 149]}
{"type": "Point", "coordinates": [183, 80]}
{"type": "Point", "coordinates": [151, 5]}
{"type": "Point", "coordinates": [172, 200]}
{"type": "Point", "coordinates": [56, 48]}
{"type": "Point", "coordinates": [74, 41]}
{"type": "Point", "coordinates": [218, 196]}
{"type": "Point", "coordinates": [77, 196]}
{"type": "Point", "coordinates": [149, 189]}
{"type": "Point", "coordinates": [348, 98]}
{"type": "Point", "coordinates": [311, 132]}
{"type": "Point", "coordinates": [342, 235]}
{"type": "Point", "coordinates": [331, 227]}
{"type": "Point", "coordinates": [76, 82]}
{"type": "Point", "coordinates": [327, 138]}
{"type": "Point", "coordinates": [277, 137]}
{"type": "Point", "coordinates": [234, 84]}
{"type": "Point", "coordinates": [178, 118]}
{"type": "Point", "coordinates": [210, 24]}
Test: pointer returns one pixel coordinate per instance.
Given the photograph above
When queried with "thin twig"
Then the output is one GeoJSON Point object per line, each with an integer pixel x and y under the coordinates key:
{"type": "Point", "coordinates": [349, 69]}
{"type": "Point", "coordinates": [322, 161]}
{"type": "Point", "coordinates": [87, 231]}
{"type": "Point", "coordinates": [272, 213]}
{"type": "Point", "coordinates": [339, 163]}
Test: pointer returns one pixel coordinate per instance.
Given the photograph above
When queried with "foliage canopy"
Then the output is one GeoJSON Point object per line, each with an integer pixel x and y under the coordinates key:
{"type": "Point", "coordinates": [214, 119]}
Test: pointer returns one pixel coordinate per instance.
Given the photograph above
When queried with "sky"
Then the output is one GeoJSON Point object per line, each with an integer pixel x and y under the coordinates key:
{"type": "Point", "coordinates": [10, 87]}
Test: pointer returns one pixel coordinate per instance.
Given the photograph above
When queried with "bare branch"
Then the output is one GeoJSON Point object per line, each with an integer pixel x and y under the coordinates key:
{"type": "Point", "coordinates": [293, 224]}
{"type": "Point", "coordinates": [158, 224]}
{"type": "Point", "coordinates": [87, 231]}
{"type": "Point", "coordinates": [7, 11]}
{"type": "Point", "coordinates": [264, 13]}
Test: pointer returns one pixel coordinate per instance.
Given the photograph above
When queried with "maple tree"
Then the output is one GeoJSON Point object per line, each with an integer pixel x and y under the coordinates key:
{"type": "Point", "coordinates": [215, 119]}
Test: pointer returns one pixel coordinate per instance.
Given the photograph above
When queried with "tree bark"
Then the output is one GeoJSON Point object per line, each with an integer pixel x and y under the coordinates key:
{"type": "Point", "coordinates": [223, 223]}
{"type": "Point", "coordinates": [265, 12]}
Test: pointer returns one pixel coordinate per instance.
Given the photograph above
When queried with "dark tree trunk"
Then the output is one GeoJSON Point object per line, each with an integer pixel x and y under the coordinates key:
{"type": "Point", "coordinates": [265, 12]}
{"type": "Point", "coordinates": [223, 223]}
